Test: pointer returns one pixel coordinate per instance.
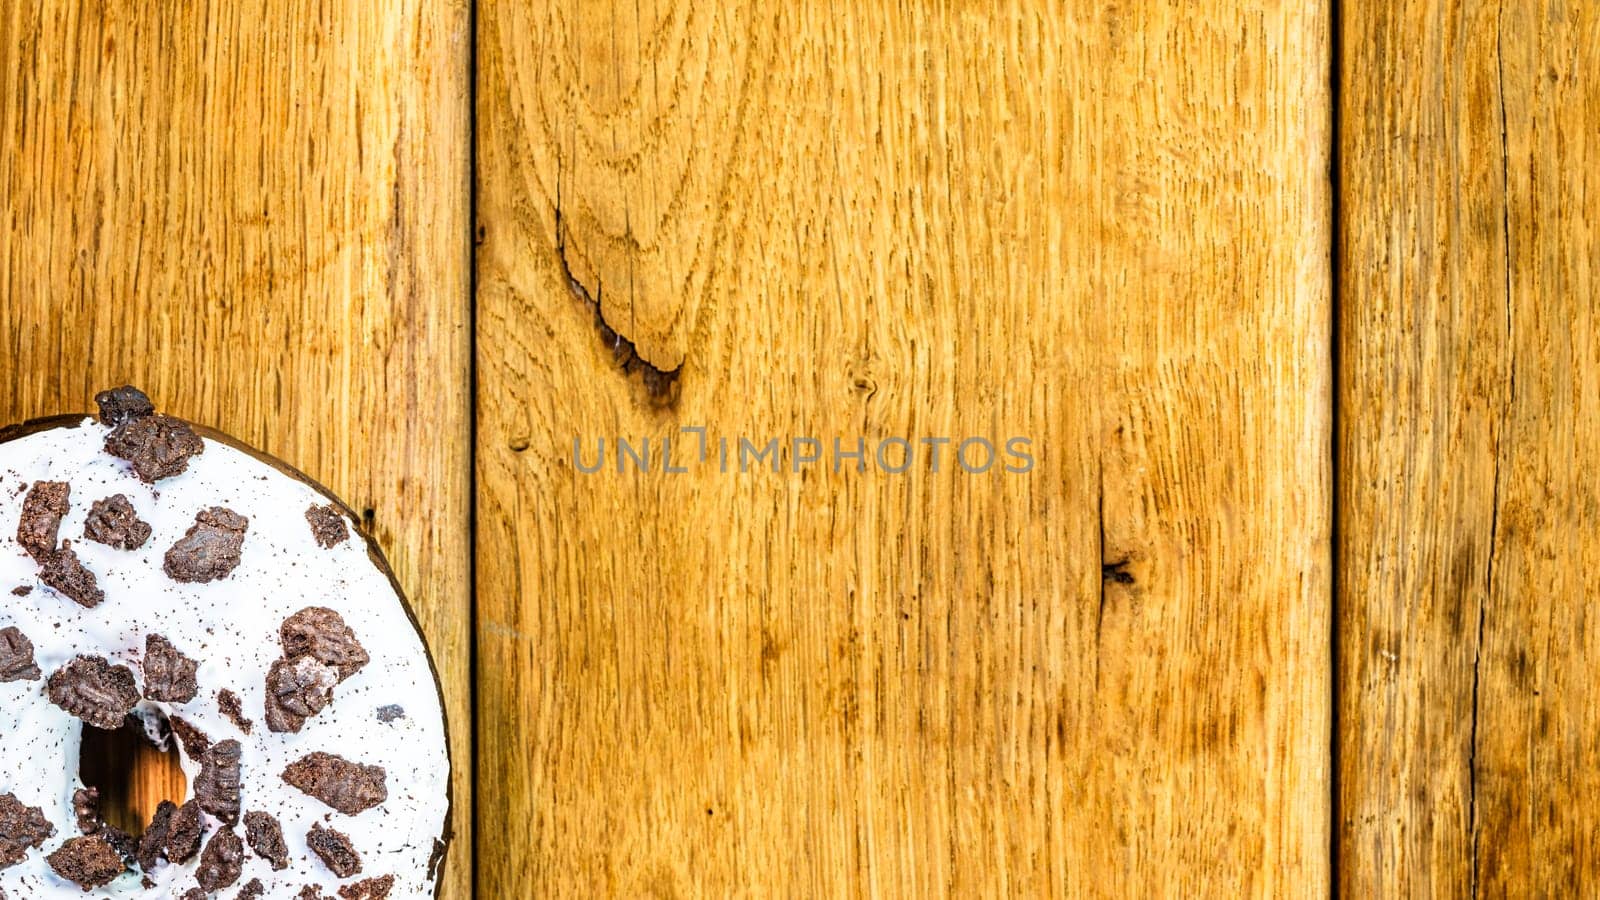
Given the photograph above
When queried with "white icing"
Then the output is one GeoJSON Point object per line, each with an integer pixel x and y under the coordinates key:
{"type": "Point", "coordinates": [231, 627]}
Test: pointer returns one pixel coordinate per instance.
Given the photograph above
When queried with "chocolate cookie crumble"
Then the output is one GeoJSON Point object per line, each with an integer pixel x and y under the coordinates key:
{"type": "Point", "coordinates": [114, 522]}
{"type": "Point", "coordinates": [67, 575]}
{"type": "Point", "coordinates": [210, 550]}
{"type": "Point", "coordinates": [157, 446]}
{"type": "Point", "coordinates": [42, 510]}
{"type": "Point", "coordinates": [254, 890]}
{"type": "Point", "coordinates": [22, 590]}
{"type": "Point", "coordinates": [368, 889]}
{"type": "Point", "coordinates": [265, 837]}
{"type": "Point", "coordinates": [297, 690]}
{"type": "Point", "coordinates": [169, 676]}
{"type": "Point", "coordinates": [123, 404]}
{"type": "Point", "coordinates": [89, 862]}
{"type": "Point", "coordinates": [86, 809]}
{"type": "Point", "coordinates": [327, 526]}
{"type": "Point", "coordinates": [334, 849]}
{"type": "Point", "coordinates": [321, 633]}
{"type": "Point", "coordinates": [16, 656]}
{"type": "Point", "coordinates": [217, 786]}
{"type": "Point", "coordinates": [154, 841]}
{"type": "Point", "coordinates": [221, 862]}
{"type": "Point", "coordinates": [95, 691]}
{"type": "Point", "coordinates": [346, 786]}
{"type": "Point", "coordinates": [184, 831]}
{"type": "Point", "coordinates": [21, 827]}
{"type": "Point", "coordinates": [230, 706]}
{"type": "Point", "coordinates": [195, 742]}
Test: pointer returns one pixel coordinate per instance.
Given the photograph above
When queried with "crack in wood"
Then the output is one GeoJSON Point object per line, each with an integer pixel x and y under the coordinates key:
{"type": "Point", "coordinates": [660, 384]}
{"type": "Point", "coordinates": [1473, 830]}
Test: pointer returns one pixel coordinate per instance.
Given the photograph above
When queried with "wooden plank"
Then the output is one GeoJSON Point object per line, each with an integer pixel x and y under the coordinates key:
{"type": "Point", "coordinates": [1105, 229]}
{"type": "Point", "coordinates": [259, 212]}
{"type": "Point", "coordinates": [1469, 410]}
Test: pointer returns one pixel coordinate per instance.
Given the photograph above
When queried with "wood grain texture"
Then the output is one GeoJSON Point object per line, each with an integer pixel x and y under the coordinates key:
{"type": "Point", "coordinates": [259, 213]}
{"type": "Point", "coordinates": [1470, 432]}
{"type": "Point", "coordinates": [1105, 229]}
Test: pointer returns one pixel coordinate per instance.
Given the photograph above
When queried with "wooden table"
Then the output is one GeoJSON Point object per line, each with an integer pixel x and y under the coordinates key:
{"type": "Point", "coordinates": [1295, 305]}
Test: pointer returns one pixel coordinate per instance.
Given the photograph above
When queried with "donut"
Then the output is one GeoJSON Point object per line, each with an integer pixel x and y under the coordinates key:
{"type": "Point", "coordinates": [161, 577]}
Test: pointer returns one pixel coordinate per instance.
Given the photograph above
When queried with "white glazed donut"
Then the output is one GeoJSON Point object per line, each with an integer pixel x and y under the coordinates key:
{"type": "Point", "coordinates": [172, 609]}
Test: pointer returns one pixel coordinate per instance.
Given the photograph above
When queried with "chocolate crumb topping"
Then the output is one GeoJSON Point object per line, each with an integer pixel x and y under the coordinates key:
{"type": "Point", "coordinates": [94, 690]}
{"type": "Point", "coordinates": [252, 891]}
{"type": "Point", "coordinates": [66, 574]}
{"type": "Point", "coordinates": [297, 690]}
{"type": "Point", "coordinates": [169, 676]}
{"type": "Point", "coordinates": [309, 892]}
{"type": "Point", "coordinates": [184, 831]}
{"type": "Point", "coordinates": [217, 786]}
{"type": "Point", "coordinates": [368, 889]}
{"type": "Point", "coordinates": [154, 841]}
{"type": "Point", "coordinates": [157, 446]}
{"type": "Point", "coordinates": [123, 404]}
{"type": "Point", "coordinates": [210, 549]}
{"type": "Point", "coordinates": [265, 836]}
{"type": "Point", "coordinates": [22, 590]}
{"type": "Point", "coordinates": [228, 703]}
{"type": "Point", "coordinates": [221, 862]}
{"type": "Point", "coordinates": [16, 656]}
{"type": "Point", "coordinates": [21, 827]}
{"type": "Point", "coordinates": [334, 849]}
{"type": "Point", "coordinates": [194, 894]}
{"type": "Point", "coordinates": [86, 809]}
{"type": "Point", "coordinates": [42, 510]}
{"type": "Point", "coordinates": [195, 742]}
{"type": "Point", "coordinates": [89, 862]}
{"type": "Point", "coordinates": [328, 527]}
{"type": "Point", "coordinates": [348, 787]}
{"type": "Point", "coordinates": [113, 522]}
{"type": "Point", "coordinates": [320, 632]}
{"type": "Point", "coordinates": [387, 714]}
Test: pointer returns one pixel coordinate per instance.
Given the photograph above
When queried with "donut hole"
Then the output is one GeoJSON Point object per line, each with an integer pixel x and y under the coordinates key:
{"type": "Point", "coordinates": [133, 772]}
